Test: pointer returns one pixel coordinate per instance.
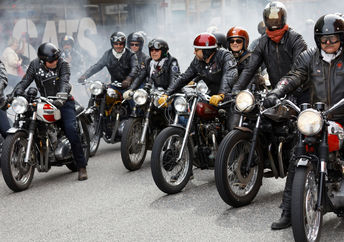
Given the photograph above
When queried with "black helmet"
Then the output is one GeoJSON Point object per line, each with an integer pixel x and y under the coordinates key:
{"type": "Point", "coordinates": [327, 25]}
{"type": "Point", "coordinates": [221, 40]}
{"type": "Point", "coordinates": [117, 37]}
{"type": "Point", "coordinates": [159, 44]}
{"type": "Point", "coordinates": [67, 40]}
{"type": "Point", "coordinates": [275, 15]}
{"type": "Point", "coordinates": [261, 27]}
{"type": "Point", "coordinates": [135, 37]}
{"type": "Point", "coordinates": [47, 52]}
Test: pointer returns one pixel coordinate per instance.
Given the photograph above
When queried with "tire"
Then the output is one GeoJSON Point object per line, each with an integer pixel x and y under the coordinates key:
{"type": "Point", "coordinates": [133, 154]}
{"type": "Point", "coordinates": [94, 132]}
{"type": "Point", "coordinates": [305, 195]}
{"type": "Point", "coordinates": [18, 176]}
{"type": "Point", "coordinates": [163, 162]}
{"type": "Point", "coordinates": [235, 188]}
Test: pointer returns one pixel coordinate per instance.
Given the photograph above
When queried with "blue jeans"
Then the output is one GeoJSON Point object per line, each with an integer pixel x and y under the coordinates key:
{"type": "Point", "coordinates": [68, 116]}
{"type": "Point", "coordinates": [4, 124]}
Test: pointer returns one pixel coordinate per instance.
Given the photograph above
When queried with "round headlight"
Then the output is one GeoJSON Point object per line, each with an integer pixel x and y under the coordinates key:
{"type": "Point", "coordinates": [19, 105]}
{"type": "Point", "coordinates": [202, 87]}
{"type": "Point", "coordinates": [310, 122]}
{"type": "Point", "coordinates": [140, 97]}
{"type": "Point", "coordinates": [244, 101]}
{"type": "Point", "coordinates": [180, 104]}
{"type": "Point", "coordinates": [96, 88]}
{"type": "Point", "coordinates": [111, 93]}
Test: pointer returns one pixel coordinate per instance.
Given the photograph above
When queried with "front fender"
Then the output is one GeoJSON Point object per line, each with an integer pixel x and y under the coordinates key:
{"type": "Point", "coordinates": [302, 162]}
{"type": "Point", "coordinates": [244, 129]}
{"type": "Point", "coordinates": [177, 126]}
{"type": "Point", "coordinates": [14, 130]}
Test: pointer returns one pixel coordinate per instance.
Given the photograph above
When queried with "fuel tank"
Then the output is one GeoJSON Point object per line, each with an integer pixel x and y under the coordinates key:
{"type": "Point", "coordinates": [206, 111]}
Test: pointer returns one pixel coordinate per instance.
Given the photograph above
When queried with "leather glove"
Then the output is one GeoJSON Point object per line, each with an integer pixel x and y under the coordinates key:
{"type": "Point", "coordinates": [81, 79]}
{"type": "Point", "coordinates": [270, 100]}
{"type": "Point", "coordinates": [58, 103]}
{"type": "Point", "coordinates": [128, 94]}
{"type": "Point", "coordinates": [215, 99]}
{"type": "Point", "coordinates": [126, 83]}
{"type": "Point", "coordinates": [163, 100]}
{"type": "Point", "coordinates": [191, 83]}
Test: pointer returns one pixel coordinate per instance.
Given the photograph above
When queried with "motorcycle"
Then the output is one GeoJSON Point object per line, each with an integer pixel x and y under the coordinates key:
{"type": "Point", "coordinates": [108, 113]}
{"type": "Point", "coordinates": [37, 140]}
{"type": "Point", "coordinates": [177, 148]}
{"type": "Point", "coordinates": [141, 129]}
{"type": "Point", "coordinates": [264, 139]}
{"type": "Point", "coordinates": [318, 185]}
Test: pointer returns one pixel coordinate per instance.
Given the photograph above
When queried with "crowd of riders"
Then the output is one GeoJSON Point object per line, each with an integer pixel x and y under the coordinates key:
{"type": "Point", "coordinates": [226, 63]}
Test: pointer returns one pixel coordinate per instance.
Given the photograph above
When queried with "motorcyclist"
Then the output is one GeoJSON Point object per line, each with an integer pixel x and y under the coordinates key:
{"type": "Point", "coordinates": [51, 74]}
{"type": "Point", "coordinates": [277, 49]}
{"type": "Point", "coordinates": [4, 124]}
{"type": "Point", "coordinates": [321, 69]}
{"type": "Point", "coordinates": [135, 43]}
{"type": "Point", "coordinates": [72, 56]}
{"type": "Point", "coordinates": [217, 67]}
{"type": "Point", "coordinates": [121, 62]}
{"type": "Point", "coordinates": [161, 67]}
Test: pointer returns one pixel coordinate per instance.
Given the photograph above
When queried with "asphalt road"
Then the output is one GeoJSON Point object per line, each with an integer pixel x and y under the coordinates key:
{"type": "Point", "coordinates": [117, 205]}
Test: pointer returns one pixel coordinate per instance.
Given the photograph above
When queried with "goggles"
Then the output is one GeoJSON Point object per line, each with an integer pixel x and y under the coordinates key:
{"type": "Point", "coordinates": [155, 45]}
{"type": "Point", "coordinates": [331, 38]}
{"type": "Point", "coordinates": [118, 38]}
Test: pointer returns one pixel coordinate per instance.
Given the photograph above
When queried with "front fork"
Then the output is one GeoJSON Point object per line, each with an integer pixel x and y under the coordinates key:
{"type": "Point", "coordinates": [146, 123]}
{"type": "Point", "coordinates": [32, 128]}
{"type": "Point", "coordinates": [253, 145]}
{"type": "Point", "coordinates": [323, 155]}
{"type": "Point", "coordinates": [188, 128]}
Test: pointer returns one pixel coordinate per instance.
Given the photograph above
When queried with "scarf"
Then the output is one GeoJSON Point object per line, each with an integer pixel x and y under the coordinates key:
{"type": "Point", "coordinates": [118, 55]}
{"type": "Point", "coordinates": [277, 35]}
{"type": "Point", "coordinates": [330, 57]}
{"type": "Point", "coordinates": [156, 66]}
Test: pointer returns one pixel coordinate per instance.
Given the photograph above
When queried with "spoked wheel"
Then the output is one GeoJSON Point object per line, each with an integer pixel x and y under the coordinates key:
{"type": "Point", "coordinates": [132, 151]}
{"type": "Point", "coordinates": [306, 219]}
{"type": "Point", "coordinates": [17, 174]}
{"type": "Point", "coordinates": [94, 132]}
{"type": "Point", "coordinates": [170, 174]}
{"type": "Point", "coordinates": [236, 186]}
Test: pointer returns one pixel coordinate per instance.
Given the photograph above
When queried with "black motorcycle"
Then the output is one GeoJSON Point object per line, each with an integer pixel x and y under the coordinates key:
{"type": "Point", "coordinates": [37, 140]}
{"type": "Point", "coordinates": [145, 123]}
{"type": "Point", "coordinates": [264, 139]}
{"type": "Point", "coordinates": [108, 113]}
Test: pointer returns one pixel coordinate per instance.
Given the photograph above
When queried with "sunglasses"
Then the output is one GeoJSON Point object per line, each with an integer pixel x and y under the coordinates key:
{"type": "Point", "coordinates": [331, 38]}
{"type": "Point", "coordinates": [132, 44]}
{"type": "Point", "coordinates": [232, 41]}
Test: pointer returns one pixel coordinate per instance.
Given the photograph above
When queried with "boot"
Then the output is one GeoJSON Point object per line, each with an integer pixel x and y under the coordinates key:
{"type": "Point", "coordinates": [283, 223]}
{"type": "Point", "coordinates": [82, 174]}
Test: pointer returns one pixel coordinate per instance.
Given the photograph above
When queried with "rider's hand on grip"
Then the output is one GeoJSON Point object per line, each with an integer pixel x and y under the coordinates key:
{"type": "Point", "coordinates": [270, 100]}
{"type": "Point", "coordinates": [163, 100]}
{"type": "Point", "coordinates": [127, 95]}
{"type": "Point", "coordinates": [215, 99]}
{"type": "Point", "coordinates": [81, 79]}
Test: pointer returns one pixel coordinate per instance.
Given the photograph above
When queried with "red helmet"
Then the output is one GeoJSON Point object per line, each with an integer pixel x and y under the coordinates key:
{"type": "Point", "coordinates": [205, 41]}
{"type": "Point", "coordinates": [238, 32]}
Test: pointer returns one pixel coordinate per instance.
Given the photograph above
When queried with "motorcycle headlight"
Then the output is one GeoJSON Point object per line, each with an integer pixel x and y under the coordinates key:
{"type": "Point", "coordinates": [19, 105]}
{"type": "Point", "coordinates": [202, 87]}
{"type": "Point", "coordinates": [111, 93]}
{"type": "Point", "coordinates": [96, 88]}
{"type": "Point", "coordinates": [180, 104]}
{"type": "Point", "coordinates": [244, 101]}
{"type": "Point", "coordinates": [140, 97]}
{"type": "Point", "coordinates": [310, 122]}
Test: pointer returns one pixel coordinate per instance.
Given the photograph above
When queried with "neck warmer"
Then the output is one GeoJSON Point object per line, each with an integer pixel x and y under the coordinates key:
{"type": "Point", "coordinates": [277, 35]}
{"type": "Point", "coordinates": [330, 57]}
{"type": "Point", "coordinates": [118, 55]}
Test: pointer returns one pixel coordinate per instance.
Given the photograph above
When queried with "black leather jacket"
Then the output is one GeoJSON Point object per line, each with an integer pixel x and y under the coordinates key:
{"type": "Point", "coordinates": [325, 81]}
{"type": "Point", "coordinates": [168, 73]}
{"type": "Point", "coordinates": [141, 59]}
{"type": "Point", "coordinates": [48, 81]}
{"type": "Point", "coordinates": [119, 70]}
{"type": "Point", "coordinates": [219, 74]}
{"type": "Point", "coordinates": [278, 58]}
{"type": "Point", "coordinates": [3, 77]}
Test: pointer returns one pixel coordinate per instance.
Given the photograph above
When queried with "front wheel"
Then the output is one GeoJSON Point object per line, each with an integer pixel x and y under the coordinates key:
{"type": "Point", "coordinates": [236, 186]}
{"type": "Point", "coordinates": [94, 132]}
{"type": "Point", "coordinates": [132, 151]}
{"type": "Point", "coordinates": [170, 174]}
{"type": "Point", "coordinates": [17, 174]}
{"type": "Point", "coordinates": [306, 220]}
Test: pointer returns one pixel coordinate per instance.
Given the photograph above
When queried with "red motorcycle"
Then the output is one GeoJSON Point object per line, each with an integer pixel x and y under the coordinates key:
{"type": "Point", "coordinates": [177, 148]}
